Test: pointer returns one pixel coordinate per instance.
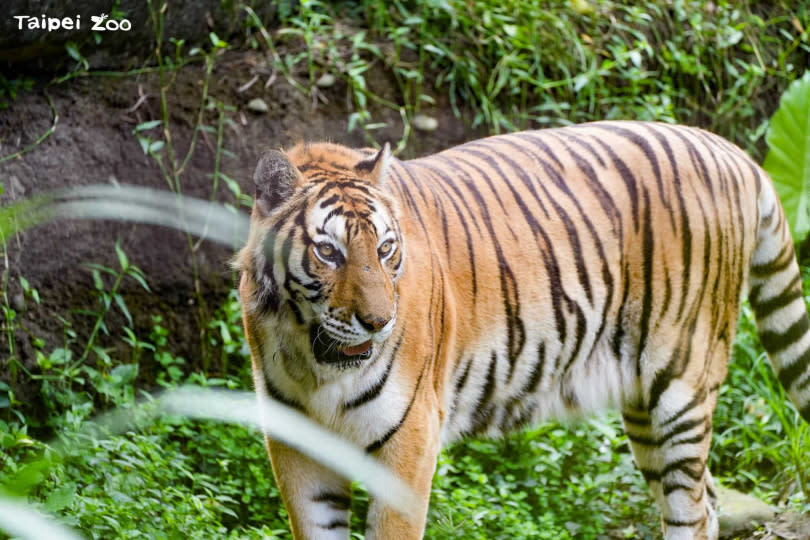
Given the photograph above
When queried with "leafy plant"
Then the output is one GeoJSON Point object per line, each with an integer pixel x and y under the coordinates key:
{"type": "Point", "coordinates": [788, 161]}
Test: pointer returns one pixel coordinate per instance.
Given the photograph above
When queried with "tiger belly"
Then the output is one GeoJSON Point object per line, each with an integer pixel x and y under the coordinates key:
{"type": "Point", "coordinates": [488, 398]}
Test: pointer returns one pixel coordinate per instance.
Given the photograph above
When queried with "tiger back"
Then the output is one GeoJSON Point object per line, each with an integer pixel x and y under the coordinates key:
{"type": "Point", "coordinates": [522, 277]}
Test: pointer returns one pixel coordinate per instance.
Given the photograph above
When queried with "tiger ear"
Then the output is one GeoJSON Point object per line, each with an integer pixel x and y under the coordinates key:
{"type": "Point", "coordinates": [275, 178]}
{"type": "Point", "coordinates": [376, 167]}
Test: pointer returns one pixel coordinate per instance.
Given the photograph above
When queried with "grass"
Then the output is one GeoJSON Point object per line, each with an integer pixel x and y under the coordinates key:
{"type": "Point", "coordinates": [525, 64]}
{"type": "Point", "coordinates": [720, 65]}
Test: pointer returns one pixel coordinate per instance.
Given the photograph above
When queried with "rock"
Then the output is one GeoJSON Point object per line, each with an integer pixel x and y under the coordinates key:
{"type": "Point", "coordinates": [790, 526]}
{"type": "Point", "coordinates": [325, 81]}
{"type": "Point", "coordinates": [16, 188]}
{"type": "Point", "coordinates": [18, 302]}
{"type": "Point", "coordinates": [423, 122]}
{"type": "Point", "coordinates": [739, 512]}
{"type": "Point", "coordinates": [257, 105]}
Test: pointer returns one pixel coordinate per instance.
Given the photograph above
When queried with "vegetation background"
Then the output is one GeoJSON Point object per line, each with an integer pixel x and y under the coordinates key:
{"type": "Point", "coordinates": [135, 310]}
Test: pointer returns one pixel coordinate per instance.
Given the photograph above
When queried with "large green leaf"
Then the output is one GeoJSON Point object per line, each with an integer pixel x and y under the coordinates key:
{"type": "Point", "coordinates": [788, 161]}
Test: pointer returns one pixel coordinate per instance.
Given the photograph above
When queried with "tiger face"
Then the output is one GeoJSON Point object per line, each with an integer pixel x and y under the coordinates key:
{"type": "Point", "coordinates": [331, 252]}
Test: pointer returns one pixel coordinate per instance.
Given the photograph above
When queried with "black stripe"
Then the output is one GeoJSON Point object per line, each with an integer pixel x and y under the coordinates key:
{"type": "Point", "coordinates": [644, 440]}
{"type": "Point", "coordinates": [670, 488]}
{"type": "Point", "coordinates": [460, 383]}
{"type": "Point", "coordinates": [694, 402]}
{"type": "Point", "coordinates": [537, 370]}
{"type": "Point", "coordinates": [268, 297]}
{"type": "Point", "coordinates": [630, 182]}
{"type": "Point", "coordinates": [525, 179]}
{"type": "Point", "coordinates": [650, 475]}
{"type": "Point", "coordinates": [276, 394]}
{"type": "Point", "coordinates": [673, 369]}
{"type": "Point", "coordinates": [668, 290]}
{"type": "Point", "coordinates": [335, 524]}
{"type": "Point", "coordinates": [777, 264]}
{"type": "Point", "coordinates": [443, 186]}
{"type": "Point", "coordinates": [741, 229]}
{"type": "Point", "coordinates": [299, 318]}
{"type": "Point", "coordinates": [467, 149]}
{"type": "Point", "coordinates": [695, 439]}
{"type": "Point", "coordinates": [775, 342]}
{"type": "Point", "coordinates": [699, 165]}
{"type": "Point", "coordinates": [338, 501]}
{"type": "Point", "coordinates": [788, 375]}
{"type": "Point", "coordinates": [489, 387]}
{"type": "Point", "coordinates": [329, 200]}
{"type": "Point", "coordinates": [597, 187]}
{"type": "Point", "coordinates": [483, 413]}
{"type": "Point", "coordinates": [642, 419]}
{"type": "Point", "coordinates": [788, 295]}
{"type": "Point", "coordinates": [683, 427]}
{"type": "Point", "coordinates": [372, 392]}
{"type": "Point", "coordinates": [686, 232]}
{"type": "Point", "coordinates": [376, 445]}
{"type": "Point", "coordinates": [648, 251]}
{"type": "Point", "coordinates": [685, 465]}
{"type": "Point", "coordinates": [409, 199]}
{"type": "Point", "coordinates": [619, 333]}
{"type": "Point", "coordinates": [679, 523]}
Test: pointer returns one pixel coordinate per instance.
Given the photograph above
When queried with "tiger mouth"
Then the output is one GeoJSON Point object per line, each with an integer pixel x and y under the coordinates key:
{"type": "Point", "coordinates": [330, 351]}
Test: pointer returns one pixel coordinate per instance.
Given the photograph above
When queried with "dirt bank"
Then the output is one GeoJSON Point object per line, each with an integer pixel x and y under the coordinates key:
{"type": "Point", "coordinates": [93, 142]}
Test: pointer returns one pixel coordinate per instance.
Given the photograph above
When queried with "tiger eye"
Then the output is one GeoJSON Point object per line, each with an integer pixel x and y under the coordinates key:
{"type": "Point", "coordinates": [386, 247]}
{"type": "Point", "coordinates": [325, 249]}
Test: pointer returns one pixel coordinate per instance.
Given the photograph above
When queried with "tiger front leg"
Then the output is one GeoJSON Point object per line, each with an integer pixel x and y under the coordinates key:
{"type": "Point", "coordinates": [318, 500]}
{"type": "Point", "coordinates": [411, 454]}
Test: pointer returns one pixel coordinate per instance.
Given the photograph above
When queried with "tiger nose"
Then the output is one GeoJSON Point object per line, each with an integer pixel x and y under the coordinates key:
{"type": "Point", "coordinates": [373, 323]}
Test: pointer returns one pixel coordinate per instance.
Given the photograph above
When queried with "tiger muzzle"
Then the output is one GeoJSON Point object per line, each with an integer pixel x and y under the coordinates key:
{"type": "Point", "coordinates": [335, 353]}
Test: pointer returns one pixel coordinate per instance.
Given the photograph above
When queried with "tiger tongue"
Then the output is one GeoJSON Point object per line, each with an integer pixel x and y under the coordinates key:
{"type": "Point", "coordinates": [354, 350]}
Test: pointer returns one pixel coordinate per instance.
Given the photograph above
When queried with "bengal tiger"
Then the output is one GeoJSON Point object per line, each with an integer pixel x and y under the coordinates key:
{"type": "Point", "coordinates": [517, 278]}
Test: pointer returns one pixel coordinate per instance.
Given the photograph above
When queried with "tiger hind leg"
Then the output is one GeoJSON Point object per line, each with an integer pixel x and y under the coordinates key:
{"type": "Point", "coordinates": [671, 446]}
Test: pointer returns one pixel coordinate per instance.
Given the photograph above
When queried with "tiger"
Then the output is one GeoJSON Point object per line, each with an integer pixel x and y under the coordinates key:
{"type": "Point", "coordinates": [518, 278]}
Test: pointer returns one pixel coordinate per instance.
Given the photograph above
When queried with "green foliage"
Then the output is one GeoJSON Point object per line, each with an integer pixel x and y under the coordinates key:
{"type": "Point", "coordinates": [760, 442]}
{"type": "Point", "coordinates": [9, 88]}
{"type": "Point", "coordinates": [531, 63]}
{"type": "Point", "coordinates": [788, 161]}
{"type": "Point", "coordinates": [552, 482]}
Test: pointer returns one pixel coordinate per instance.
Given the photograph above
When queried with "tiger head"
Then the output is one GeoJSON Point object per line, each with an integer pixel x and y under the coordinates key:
{"type": "Point", "coordinates": [325, 251]}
